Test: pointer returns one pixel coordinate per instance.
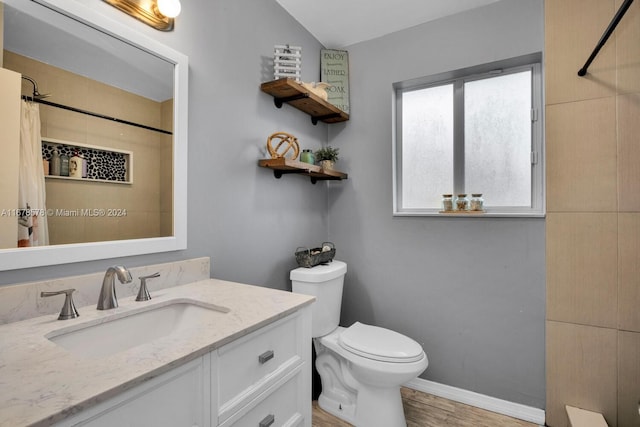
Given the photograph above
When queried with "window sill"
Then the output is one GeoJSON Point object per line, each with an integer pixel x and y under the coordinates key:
{"type": "Point", "coordinates": [487, 214]}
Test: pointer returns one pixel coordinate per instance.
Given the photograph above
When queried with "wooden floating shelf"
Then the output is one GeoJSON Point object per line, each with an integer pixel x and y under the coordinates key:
{"type": "Point", "coordinates": [284, 166]}
{"type": "Point", "coordinates": [287, 90]}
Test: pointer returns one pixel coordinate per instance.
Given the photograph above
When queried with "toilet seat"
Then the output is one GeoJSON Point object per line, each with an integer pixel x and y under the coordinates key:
{"type": "Point", "coordinates": [384, 345]}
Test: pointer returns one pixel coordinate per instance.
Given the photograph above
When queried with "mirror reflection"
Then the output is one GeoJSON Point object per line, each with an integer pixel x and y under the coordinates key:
{"type": "Point", "coordinates": [103, 111]}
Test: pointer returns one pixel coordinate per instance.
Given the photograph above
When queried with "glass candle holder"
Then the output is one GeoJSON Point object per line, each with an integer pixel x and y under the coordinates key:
{"type": "Point", "coordinates": [477, 202]}
{"type": "Point", "coordinates": [447, 202]}
{"type": "Point", "coordinates": [462, 203]}
{"type": "Point", "coordinates": [307, 156]}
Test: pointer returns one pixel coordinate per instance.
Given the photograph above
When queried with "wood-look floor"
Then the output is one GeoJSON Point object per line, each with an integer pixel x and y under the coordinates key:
{"type": "Point", "coordinates": [425, 410]}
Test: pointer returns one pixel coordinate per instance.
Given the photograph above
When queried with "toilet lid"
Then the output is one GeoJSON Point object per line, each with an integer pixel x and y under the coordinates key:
{"type": "Point", "coordinates": [381, 344]}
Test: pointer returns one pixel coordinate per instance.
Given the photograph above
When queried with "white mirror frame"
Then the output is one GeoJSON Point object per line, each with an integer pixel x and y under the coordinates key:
{"type": "Point", "coordinates": [12, 259]}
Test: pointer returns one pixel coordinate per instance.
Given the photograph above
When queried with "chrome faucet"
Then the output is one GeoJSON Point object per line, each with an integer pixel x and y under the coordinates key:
{"type": "Point", "coordinates": [107, 299]}
{"type": "Point", "coordinates": [143, 293]}
{"type": "Point", "coordinates": [68, 308]}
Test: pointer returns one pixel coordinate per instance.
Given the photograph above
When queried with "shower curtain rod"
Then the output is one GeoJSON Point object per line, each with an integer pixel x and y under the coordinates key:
{"type": "Point", "coordinates": [90, 113]}
{"type": "Point", "coordinates": [612, 26]}
{"type": "Point", "coordinates": [38, 97]}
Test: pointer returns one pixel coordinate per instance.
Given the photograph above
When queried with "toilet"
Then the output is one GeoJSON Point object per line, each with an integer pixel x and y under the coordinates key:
{"type": "Point", "coordinates": [361, 367]}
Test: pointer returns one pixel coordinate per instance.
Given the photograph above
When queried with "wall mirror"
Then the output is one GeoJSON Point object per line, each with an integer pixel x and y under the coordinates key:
{"type": "Point", "coordinates": [127, 120]}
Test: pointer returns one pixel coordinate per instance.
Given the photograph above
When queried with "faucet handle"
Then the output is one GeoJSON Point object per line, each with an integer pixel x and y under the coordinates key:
{"type": "Point", "coordinates": [143, 293]}
{"type": "Point", "coordinates": [68, 308]}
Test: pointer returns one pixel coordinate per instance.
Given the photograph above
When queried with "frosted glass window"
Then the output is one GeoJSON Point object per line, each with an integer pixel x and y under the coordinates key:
{"type": "Point", "coordinates": [497, 135]}
{"type": "Point", "coordinates": [476, 130]}
{"type": "Point", "coordinates": [427, 153]}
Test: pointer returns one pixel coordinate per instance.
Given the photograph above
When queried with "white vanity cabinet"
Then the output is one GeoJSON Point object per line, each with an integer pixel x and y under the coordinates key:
{"type": "Point", "coordinates": [176, 399]}
{"type": "Point", "coordinates": [262, 379]}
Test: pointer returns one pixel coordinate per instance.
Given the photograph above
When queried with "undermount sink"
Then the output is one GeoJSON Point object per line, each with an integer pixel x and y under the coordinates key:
{"type": "Point", "coordinates": [123, 331]}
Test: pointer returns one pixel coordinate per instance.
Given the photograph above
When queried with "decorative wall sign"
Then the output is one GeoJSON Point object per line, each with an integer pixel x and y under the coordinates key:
{"type": "Point", "coordinates": [287, 61]}
{"type": "Point", "coordinates": [334, 69]}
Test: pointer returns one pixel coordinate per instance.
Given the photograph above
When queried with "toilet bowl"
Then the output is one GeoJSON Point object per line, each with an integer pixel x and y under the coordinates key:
{"type": "Point", "coordinates": [361, 367]}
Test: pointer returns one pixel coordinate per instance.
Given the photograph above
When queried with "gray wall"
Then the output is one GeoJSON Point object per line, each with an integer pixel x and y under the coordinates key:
{"type": "Point", "coordinates": [248, 222]}
{"type": "Point", "coordinates": [472, 291]}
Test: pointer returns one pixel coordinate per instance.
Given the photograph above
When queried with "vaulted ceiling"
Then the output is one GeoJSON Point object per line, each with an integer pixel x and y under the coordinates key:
{"type": "Point", "coordinates": [340, 23]}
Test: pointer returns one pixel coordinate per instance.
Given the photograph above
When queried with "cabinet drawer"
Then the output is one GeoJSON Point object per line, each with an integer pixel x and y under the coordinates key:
{"type": "Point", "coordinates": [280, 408]}
{"type": "Point", "coordinates": [251, 364]}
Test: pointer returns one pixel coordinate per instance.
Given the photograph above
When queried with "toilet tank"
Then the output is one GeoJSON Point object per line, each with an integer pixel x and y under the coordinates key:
{"type": "Point", "coordinates": [324, 282]}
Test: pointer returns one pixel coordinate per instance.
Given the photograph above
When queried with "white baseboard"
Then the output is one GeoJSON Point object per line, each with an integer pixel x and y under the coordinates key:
{"type": "Point", "coordinates": [504, 407]}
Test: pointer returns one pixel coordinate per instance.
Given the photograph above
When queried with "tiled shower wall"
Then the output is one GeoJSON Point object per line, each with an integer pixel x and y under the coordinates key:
{"type": "Point", "coordinates": [593, 212]}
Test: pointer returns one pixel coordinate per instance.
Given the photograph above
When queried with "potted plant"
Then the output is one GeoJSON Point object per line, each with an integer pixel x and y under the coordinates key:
{"type": "Point", "coordinates": [326, 157]}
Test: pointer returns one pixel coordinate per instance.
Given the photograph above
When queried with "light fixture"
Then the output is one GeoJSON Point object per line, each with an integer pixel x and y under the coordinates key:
{"type": "Point", "coordinates": [169, 8]}
{"type": "Point", "coordinates": [158, 14]}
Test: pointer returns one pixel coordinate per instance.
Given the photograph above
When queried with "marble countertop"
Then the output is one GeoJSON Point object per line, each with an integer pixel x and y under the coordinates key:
{"type": "Point", "coordinates": [41, 383]}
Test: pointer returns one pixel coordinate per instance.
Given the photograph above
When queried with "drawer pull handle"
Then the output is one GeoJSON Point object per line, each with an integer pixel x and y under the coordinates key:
{"type": "Point", "coordinates": [267, 421]}
{"type": "Point", "coordinates": [265, 357]}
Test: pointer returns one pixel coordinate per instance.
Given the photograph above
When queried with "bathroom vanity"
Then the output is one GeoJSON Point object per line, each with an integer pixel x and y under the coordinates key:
{"type": "Point", "coordinates": [208, 353]}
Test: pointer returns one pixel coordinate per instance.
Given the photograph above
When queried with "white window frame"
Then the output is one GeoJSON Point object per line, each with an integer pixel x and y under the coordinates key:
{"type": "Point", "coordinates": [531, 62]}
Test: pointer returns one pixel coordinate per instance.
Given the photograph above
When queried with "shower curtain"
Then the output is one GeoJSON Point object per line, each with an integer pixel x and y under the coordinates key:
{"type": "Point", "coordinates": [32, 218]}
